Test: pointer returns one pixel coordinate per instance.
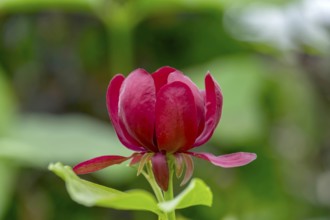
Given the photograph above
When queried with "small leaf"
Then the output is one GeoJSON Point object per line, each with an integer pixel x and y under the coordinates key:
{"type": "Point", "coordinates": [197, 193]}
{"type": "Point", "coordinates": [91, 194]}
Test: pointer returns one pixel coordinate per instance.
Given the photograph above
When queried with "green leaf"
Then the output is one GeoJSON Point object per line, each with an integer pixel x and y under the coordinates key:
{"type": "Point", "coordinates": [91, 194]}
{"type": "Point", "coordinates": [196, 193]}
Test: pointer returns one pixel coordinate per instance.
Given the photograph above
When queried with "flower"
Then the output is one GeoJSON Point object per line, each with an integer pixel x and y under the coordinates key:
{"type": "Point", "coordinates": [161, 114]}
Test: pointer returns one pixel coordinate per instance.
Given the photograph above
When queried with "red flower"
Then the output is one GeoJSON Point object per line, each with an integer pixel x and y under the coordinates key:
{"type": "Point", "coordinates": [164, 113]}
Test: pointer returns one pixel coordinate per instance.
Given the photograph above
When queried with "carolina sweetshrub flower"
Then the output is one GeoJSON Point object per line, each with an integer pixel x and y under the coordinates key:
{"type": "Point", "coordinates": [162, 114]}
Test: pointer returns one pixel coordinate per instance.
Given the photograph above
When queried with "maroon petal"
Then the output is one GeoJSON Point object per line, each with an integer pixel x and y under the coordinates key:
{"type": "Point", "coordinates": [137, 101]}
{"type": "Point", "coordinates": [198, 96]}
{"type": "Point", "coordinates": [161, 75]}
{"type": "Point", "coordinates": [160, 170]}
{"type": "Point", "coordinates": [98, 163]}
{"type": "Point", "coordinates": [189, 163]}
{"type": "Point", "coordinates": [112, 104]}
{"type": "Point", "coordinates": [213, 103]}
{"type": "Point", "coordinates": [227, 160]}
{"type": "Point", "coordinates": [176, 117]}
{"type": "Point", "coordinates": [136, 158]}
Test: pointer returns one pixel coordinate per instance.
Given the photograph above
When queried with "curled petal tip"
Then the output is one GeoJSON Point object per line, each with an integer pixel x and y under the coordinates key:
{"type": "Point", "coordinates": [166, 68]}
{"type": "Point", "coordinates": [213, 108]}
{"type": "Point", "coordinates": [253, 156]}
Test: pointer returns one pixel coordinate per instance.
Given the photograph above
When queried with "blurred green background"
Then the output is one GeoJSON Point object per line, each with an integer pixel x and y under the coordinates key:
{"type": "Point", "coordinates": [272, 60]}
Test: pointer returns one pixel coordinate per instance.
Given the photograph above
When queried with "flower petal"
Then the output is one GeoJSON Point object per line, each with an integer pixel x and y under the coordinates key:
{"type": "Point", "coordinates": [213, 99]}
{"type": "Point", "coordinates": [137, 101]}
{"type": "Point", "coordinates": [112, 105]}
{"type": "Point", "coordinates": [98, 163]}
{"type": "Point", "coordinates": [145, 159]}
{"type": "Point", "coordinates": [136, 158]}
{"type": "Point", "coordinates": [179, 165]}
{"type": "Point", "coordinates": [227, 160]}
{"type": "Point", "coordinates": [189, 163]}
{"type": "Point", "coordinates": [198, 96]}
{"type": "Point", "coordinates": [161, 75]}
{"type": "Point", "coordinates": [176, 117]}
{"type": "Point", "coordinates": [160, 170]}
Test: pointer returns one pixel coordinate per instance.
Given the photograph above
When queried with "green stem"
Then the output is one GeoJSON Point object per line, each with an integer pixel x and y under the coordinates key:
{"type": "Point", "coordinates": [161, 196]}
{"type": "Point", "coordinates": [169, 195]}
{"type": "Point", "coordinates": [120, 24]}
{"type": "Point", "coordinates": [151, 179]}
{"type": "Point", "coordinates": [120, 48]}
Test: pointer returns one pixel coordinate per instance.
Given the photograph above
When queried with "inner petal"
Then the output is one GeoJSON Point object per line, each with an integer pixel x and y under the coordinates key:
{"type": "Point", "coordinates": [198, 96]}
{"type": "Point", "coordinates": [137, 107]}
{"type": "Point", "coordinates": [176, 117]}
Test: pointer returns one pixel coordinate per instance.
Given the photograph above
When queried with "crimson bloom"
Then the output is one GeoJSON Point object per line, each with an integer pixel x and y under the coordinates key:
{"type": "Point", "coordinates": [161, 114]}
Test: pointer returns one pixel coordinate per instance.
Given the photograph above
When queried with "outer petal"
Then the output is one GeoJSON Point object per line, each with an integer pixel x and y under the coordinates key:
{"type": "Point", "coordinates": [161, 75]}
{"type": "Point", "coordinates": [112, 104]}
{"type": "Point", "coordinates": [198, 96]}
{"type": "Point", "coordinates": [189, 168]}
{"type": "Point", "coordinates": [176, 117]}
{"type": "Point", "coordinates": [137, 101]}
{"type": "Point", "coordinates": [136, 158]}
{"type": "Point", "coordinates": [145, 159]}
{"type": "Point", "coordinates": [213, 99]}
{"type": "Point", "coordinates": [227, 160]}
{"type": "Point", "coordinates": [160, 170]}
{"type": "Point", "coordinates": [98, 163]}
{"type": "Point", "coordinates": [179, 164]}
